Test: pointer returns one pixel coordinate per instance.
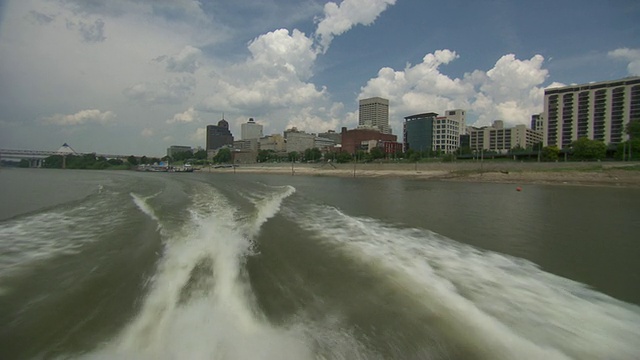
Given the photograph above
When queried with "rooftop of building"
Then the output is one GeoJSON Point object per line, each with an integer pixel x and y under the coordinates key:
{"type": "Point", "coordinates": [375, 99]}
{"type": "Point", "coordinates": [594, 85]}
{"type": "Point", "coordinates": [421, 116]}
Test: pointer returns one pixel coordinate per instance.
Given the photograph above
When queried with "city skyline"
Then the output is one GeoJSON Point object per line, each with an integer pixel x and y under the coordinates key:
{"type": "Point", "coordinates": [139, 76]}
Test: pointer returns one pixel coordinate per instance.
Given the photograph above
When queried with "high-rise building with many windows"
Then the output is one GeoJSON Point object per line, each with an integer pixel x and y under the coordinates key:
{"type": "Point", "coordinates": [447, 130]}
{"type": "Point", "coordinates": [417, 132]}
{"type": "Point", "coordinates": [597, 111]}
{"type": "Point", "coordinates": [218, 135]}
{"type": "Point", "coordinates": [537, 122]}
{"type": "Point", "coordinates": [373, 113]}
{"type": "Point", "coordinates": [250, 130]}
{"type": "Point", "coordinates": [430, 132]}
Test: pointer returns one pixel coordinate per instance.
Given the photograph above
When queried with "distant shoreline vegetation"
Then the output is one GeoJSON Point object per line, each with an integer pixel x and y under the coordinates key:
{"type": "Point", "coordinates": [93, 162]}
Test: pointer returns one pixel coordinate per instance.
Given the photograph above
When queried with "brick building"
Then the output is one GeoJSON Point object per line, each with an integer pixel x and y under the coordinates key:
{"type": "Point", "coordinates": [360, 139]}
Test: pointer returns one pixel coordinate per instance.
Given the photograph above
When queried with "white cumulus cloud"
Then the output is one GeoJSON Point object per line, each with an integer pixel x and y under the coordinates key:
{"type": "Point", "coordinates": [187, 60]}
{"type": "Point", "coordinates": [188, 116]}
{"type": "Point", "coordinates": [199, 135]}
{"type": "Point", "coordinates": [338, 19]}
{"type": "Point", "coordinates": [171, 91]}
{"type": "Point", "coordinates": [511, 90]}
{"type": "Point", "coordinates": [283, 52]}
{"type": "Point", "coordinates": [147, 132]}
{"type": "Point", "coordinates": [82, 117]}
{"type": "Point", "coordinates": [630, 55]}
{"type": "Point", "coordinates": [273, 80]}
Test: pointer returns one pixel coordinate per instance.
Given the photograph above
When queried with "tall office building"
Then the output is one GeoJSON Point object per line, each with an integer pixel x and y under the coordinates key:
{"type": "Point", "coordinates": [447, 130]}
{"type": "Point", "coordinates": [430, 132]}
{"type": "Point", "coordinates": [250, 130]}
{"type": "Point", "coordinates": [417, 132]}
{"type": "Point", "coordinates": [373, 113]}
{"type": "Point", "coordinates": [219, 136]}
{"type": "Point", "coordinates": [459, 118]}
{"type": "Point", "coordinates": [537, 122]}
{"type": "Point", "coordinates": [598, 111]}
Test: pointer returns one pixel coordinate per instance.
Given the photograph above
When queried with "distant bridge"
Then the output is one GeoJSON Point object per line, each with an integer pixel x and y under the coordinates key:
{"type": "Point", "coordinates": [36, 157]}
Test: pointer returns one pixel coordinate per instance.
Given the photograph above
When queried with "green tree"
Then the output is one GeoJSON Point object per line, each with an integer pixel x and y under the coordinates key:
{"type": "Point", "coordinates": [586, 149]}
{"type": "Point", "coordinates": [624, 148]}
{"type": "Point", "coordinates": [448, 157]}
{"type": "Point", "coordinates": [377, 153]}
{"type": "Point", "coordinates": [183, 155]}
{"type": "Point", "coordinates": [630, 149]}
{"type": "Point", "coordinates": [293, 156]}
{"type": "Point", "coordinates": [99, 165]}
{"type": "Point", "coordinates": [53, 162]}
{"type": "Point", "coordinates": [85, 161]}
{"type": "Point", "coordinates": [264, 156]}
{"type": "Point", "coordinates": [312, 154]}
{"type": "Point", "coordinates": [633, 129]}
{"type": "Point", "coordinates": [343, 157]}
{"type": "Point", "coordinates": [132, 160]}
{"type": "Point", "coordinates": [408, 153]}
{"type": "Point", "coordinates": [537, 146]}
{"type": "Point", "coordinates": [115, 162]}
{"type": "Point", "coordinates": [464, 150]}
{"type": "Point", "coordinates": [223, 156]}
{"type": "Point", "coordinates": [330, 156]}
{"type": "Point", "coordinates": [550, 153]}
{"type": "Point", "coordinates": [200, 154]}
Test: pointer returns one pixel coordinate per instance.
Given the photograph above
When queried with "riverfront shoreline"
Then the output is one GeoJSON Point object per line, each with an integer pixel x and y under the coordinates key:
{"type": "Point", "coordinates": [571, 173]}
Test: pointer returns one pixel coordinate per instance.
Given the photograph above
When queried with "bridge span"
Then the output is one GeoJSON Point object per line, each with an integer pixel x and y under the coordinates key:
{"type": "Point", "coordinates": [36, 157]}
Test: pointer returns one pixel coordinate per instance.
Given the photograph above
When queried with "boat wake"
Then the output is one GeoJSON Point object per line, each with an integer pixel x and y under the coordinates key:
{"type": "Point", "coordinates": [494, 306]}
{"type": "Point", "coordinates": [200, 304]}
{"type": "Point", "coordinates": [59, 231]}
{"type": "Point", "coordinates": [479, 303]}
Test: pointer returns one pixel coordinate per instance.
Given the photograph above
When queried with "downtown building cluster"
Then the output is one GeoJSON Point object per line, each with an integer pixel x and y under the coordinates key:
{"type": "Point", "coordinates": [598, 111]}
{"type": "Point", "coordinates": [373, 131]}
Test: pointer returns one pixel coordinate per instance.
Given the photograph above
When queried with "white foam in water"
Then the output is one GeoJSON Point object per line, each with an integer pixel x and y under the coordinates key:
{"type": "Point", "coordinates": [499, 307]}
{"type": "Point", "coordinates": [267, 207]}
{"type": "Point", "coordinates": [141, 203]}
{"type": "Point", "coordinates": [220, 321]}
{"type": "Point", "coordinates": [59, 231]}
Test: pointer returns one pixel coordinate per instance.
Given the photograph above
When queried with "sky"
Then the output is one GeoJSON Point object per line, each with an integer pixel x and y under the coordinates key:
{"type": "Point", "coordinates": [137, 76]}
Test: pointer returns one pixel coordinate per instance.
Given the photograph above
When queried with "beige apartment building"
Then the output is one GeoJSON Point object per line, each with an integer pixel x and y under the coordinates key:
{"type": "Point", "coordinates": [597, 111]}
{"type": "Point", "coordinates": [298, 141]}
{"type": "Point", "coordinates": [500, 139]}
{"type": "Point", "coordinates": [273, 142]}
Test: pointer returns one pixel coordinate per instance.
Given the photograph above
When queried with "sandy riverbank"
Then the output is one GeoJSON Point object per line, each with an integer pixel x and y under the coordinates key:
{"type": "Point", "coordinates": [583, 173]}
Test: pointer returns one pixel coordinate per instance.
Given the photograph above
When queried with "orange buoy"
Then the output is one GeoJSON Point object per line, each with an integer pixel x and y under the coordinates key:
{"type": "Point", "coordinates": [518, 188]}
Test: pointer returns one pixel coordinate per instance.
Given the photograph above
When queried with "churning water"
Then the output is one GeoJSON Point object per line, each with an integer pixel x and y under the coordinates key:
{"type": "Point", "coordinates": [204, 266]}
